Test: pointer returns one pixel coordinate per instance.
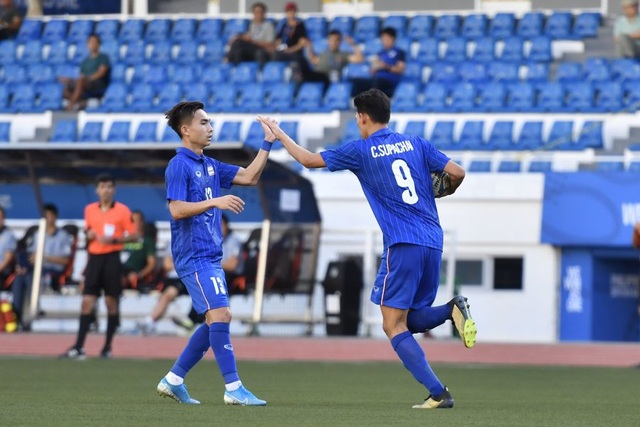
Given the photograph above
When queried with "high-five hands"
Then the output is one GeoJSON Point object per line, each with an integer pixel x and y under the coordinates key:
{"type": "Point", "coordinates": [273, 125]}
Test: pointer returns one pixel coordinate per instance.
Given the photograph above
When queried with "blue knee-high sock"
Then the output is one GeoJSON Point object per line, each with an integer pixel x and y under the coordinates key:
{"type": "Point", "coordinates": [413, 358]}
{"type": "Point", "coordinates": [428, 318]}
{"type": "Point", "coordinates": [223, 350]}
{"type": "Point", "coordinates": [196, 348]}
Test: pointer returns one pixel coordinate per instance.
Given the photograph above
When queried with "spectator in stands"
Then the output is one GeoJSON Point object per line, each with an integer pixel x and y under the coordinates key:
{"type": "Point", "coordinates": [108, 225]}
{"type": "Point", "coordinates": [290, 43]}
{"type": "Point", "coordinates": [57, 252]}
{"type": "Point", "coordinates": [258, 43]}
{"type": "Point", "coordinates": [10, 20]}
{"type": "Point", "coordinates": [8, 245]}
{"type": "Point", "coordinates": [387, 67]}
{"type": "Point", "coordinates": [140, 256]}
{"type": "Point", "coordinates": [636, 236]}
{"type": "Point", "coordinates": [327, 66]}
{"type": "Point", "coordinates": [94, 77]}
{"type": "Point", "coordinates": [627, 31]}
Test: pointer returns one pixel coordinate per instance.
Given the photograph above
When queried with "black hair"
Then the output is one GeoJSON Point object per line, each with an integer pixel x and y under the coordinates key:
{"type": "Point", "coordinates": [50, 207]}
{"type": "Point", "coordinates": [260, 5]}
{"type": "Point", "coordinates": [105, 177]}
{"type": "Point", "coordinates": [139, 212]}
{"type": "Point", "coordinates": [390, 31]}
{"type": "Point", "coordinates": [336, 33]}
{"type": "Point", "coordinates": [96, 36]}
{"type": "Point", "coordinates": [375, 104]}
{"type": "Point", "coordinates": [181, 113]}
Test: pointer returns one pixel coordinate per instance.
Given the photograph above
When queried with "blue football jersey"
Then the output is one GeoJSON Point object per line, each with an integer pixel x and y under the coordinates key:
{"type": "Point", "coordinates": [394, 171]}
{"type": "Point", "coordinates": [196, 242]}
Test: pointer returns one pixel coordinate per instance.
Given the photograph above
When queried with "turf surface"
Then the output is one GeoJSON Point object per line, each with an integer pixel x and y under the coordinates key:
{"type": "Point", "coordinates": [118, 392]}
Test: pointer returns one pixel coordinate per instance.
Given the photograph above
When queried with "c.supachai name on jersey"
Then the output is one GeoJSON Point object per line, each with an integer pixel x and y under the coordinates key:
{"type": "Point", "coordinates": [388, 149]}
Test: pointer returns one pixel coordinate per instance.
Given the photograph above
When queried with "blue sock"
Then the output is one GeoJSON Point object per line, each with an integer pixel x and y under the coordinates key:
{"type": "Point", "coordinates": [223, 350]}
{"type": "Point", "coordinates": [412, 357]}
{"type": "Point", "coordinates": [428, 318]}
{"type": "Point", "coordinates": [196, 348]}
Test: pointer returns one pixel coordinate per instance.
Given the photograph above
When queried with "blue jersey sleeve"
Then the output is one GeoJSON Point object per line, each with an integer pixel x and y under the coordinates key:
{"type": "Point", "coordinates": [226, 173]}
{"type": "Point", "coordinates": [177, 180]}
{"type": "Point", "coordinates": [344, 157]}
{"type": "Point", "coordinates": [436, 159]}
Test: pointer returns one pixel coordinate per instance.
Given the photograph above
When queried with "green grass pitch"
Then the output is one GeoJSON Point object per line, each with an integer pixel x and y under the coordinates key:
{"type": "Point", "coordinates": [119, 392]}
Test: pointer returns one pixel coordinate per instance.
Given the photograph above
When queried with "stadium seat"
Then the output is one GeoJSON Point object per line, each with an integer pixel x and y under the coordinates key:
{"type": "Point", "coordinates": [558, 25]}
{"type": "Point", "coordinates": [590, 135]}
{"type": "Point", "coordinates": [215, 74]}
{"type": "Point", "coordinates": [118, 73]}
{"type": "Point", "coordinates": [632, 98]}
{"type": "Point", "coordinates": [55, 30]}
{"type": "Point", "coordinates": [501, 137]}
{"type": "Point", "coordinates": [160, 52]}
{"type": "Point", "coordinates": [92, 132]}
{"type": "Point", "coordinates": [609, 166]}
{"type": "Point", "coordinates": [309, 97]}
{"type": "Point", "coordinates": [169, 94]}
{"type": "Point", "coordinates": [274, 72]}
{"type": "Point", "coordinates": [67, 70]}
{"type": "Point", "coordinates": [372, 46]}
{"type": "Point", "coordinates": [244, 73]}
{"type": "Point", "coordinates": [7, 52]}
{"type": "Point", "coordinates": [551, 97]}
{"type": "Point", "coordinates": [530, 137]}
{"type": "Point", "coordinates": [229, 132]}
{"type": "Point", "coordinates": [142, 95]}
{"type": "Point", "coordinates": [351, 132]}
{"type": "Point", "coordinates": [569, 72]}
{"type": "Point", "coordinates": [428, 51]}
{"type": "Point", "coordinates": [316, 27]}
{"type": "Point", "coordinates": [280, 96]}
{"type": "Point", "coordinates": [442, 135]}
{"type": "Point", "coordinates": [132, 30]}
{"type": "Point", "coordinates": [397, 22]}
{"type": "Point", "coordinates": [4, 98]}
{"type": "Point", "coordinates": [503, 72]}
{"type": "Point", "coordinates": [40, 73]}
{"type": "Point", "coordinates": [196, 91]}
{"type": "Point", "coordinates": [250, 97]}
{"type": "Point", "coordinates": [366, 28]}
{"type": "Point", "coordinates": [24, 98]}
{"type": "Point", "coordinates": [530, 25]}
{"type": "Point", "coordinates": [79, 53]}
{"type": "Point", "coordinates": [471, 137]}
{"type": "Point", "coordinates": [50, 96]}
{"type": "Point", "coordinates": [509, 166]}
{"type": "Point", "coordinates": [111, 48]}
{"type": "Point", "coordinates": [586, 25]}
{"type": "Point", "coordinates": [435, 97]}
{"type": "Point", "coordinates": [338, 97]}
{"type": "Point", "coordinates": [119, 131]}
{"type": "Point", "coordinates": [213, 52]}
{"type": "Point", "coordinates": [79, 31]}
{"type": "Point", "coordinates": [184, 29]}
{"type": "Point", "coordinates": [234, 27]}
{"type": "Point", "coordinates": [610, 97]}
{"type": "Point", "coordinates": [540, 49]}
{"type": "Point", "coordinates": [634, 167]}
{"type": "Point", "coordinates": [492, 97]}
{"type": "Point", "coordinates": [415, 127]}
{"type": "Point", "coordinates": [446, 27]}
{"type": "Point", "coordinates": [187, 52]}
{"type": "Point", "coordinates": [290, 127]}
{"type": "Point", "coordinates": [355, 71]}
{"type": "Point", "coordinates": [502, 25]}
{"type": "Point", "coordinates": [209, 29]}
{"type": "Point", "coordinates": [30, 29]}
{"type": "Point", "coordinates": [513, 50]}
{"type": "Point", "coordinates": [412, 73]}
{"type": "Point", "coordinates": [57, 54]}
{"type": "Point", "coordinates": [474, 72]}
{"type": "Point", "coordinates": [444, 73]}
{"type": "Point", "coordinates": [146, 132]}
{"type": "Point", "coordinates": [255, 136]}
{"type": "Point", "coordinates": [596, 70]}
{"type": "Point", "coordinates": [456, 49]}
{"type": "Point", "coordinates": [580, 96]}
{"type": "Point", "coordinates": [405, 97]}
{"type": "Point", "coordinates": [32, 53]}
{"type": "Point", "coordinates": [169, 135]}
{"type": "Point", "coordinates": [14, 74]}
{"type": "Point", "coordinates": [484, 50]}
{"type": "Point", "coordinates": [65, 130]}
{"type": "Point", "coordinates": [521, 97]}
{"type": "Point", "coordinates": [540, 166]}
{"type": "Point", "coordinates": [155, 75]}
{"type": "Point", "coordinates": [344, 24]}
{"type": "Point", "coordinates": [157, 30]}
{"type": "Point", "coordinates": [561, 136]}
{"type": "Point", "coordinates": [223, 97]}
{"type": "Point", "coordinates": [480, 166]}
{"type": "Point", "coordinates": [5, 131]}
{"type": "Point", "coordinates": [474, 26]}
{"type": "Point", "coordinates": [106, 29]}
{"type": "Point", "coordinates": [114, 99]}
{"type": "Point", "coordinates": [537, 72]}
{"type": "Point", "coordinates": [420, 27]}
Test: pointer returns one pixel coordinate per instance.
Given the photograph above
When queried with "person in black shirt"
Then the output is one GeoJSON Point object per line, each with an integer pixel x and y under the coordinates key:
{"type": "Point", "coordinates": [290, 43]}
{"type": "Point", "coordinates": [10, 20]}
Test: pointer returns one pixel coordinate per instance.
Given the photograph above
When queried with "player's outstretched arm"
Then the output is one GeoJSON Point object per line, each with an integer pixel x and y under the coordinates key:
{"type": "Point", "coordinates": [181, 210]}
{"type": "Point", "coordinates": [305, 157]}
{"type": "Point", "coordinates": [251, 174]}
{"type": "Point", "coordinates": [456, 176]}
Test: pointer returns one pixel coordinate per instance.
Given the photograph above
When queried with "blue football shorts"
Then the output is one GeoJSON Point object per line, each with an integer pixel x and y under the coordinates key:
{"type": "Point", "coordinates": [408, 277]}
{"type": "Point", "coordinates": [208, 289]}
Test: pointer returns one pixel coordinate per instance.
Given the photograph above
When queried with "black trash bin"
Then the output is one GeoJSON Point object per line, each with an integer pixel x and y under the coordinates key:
{"type": "Point", "coordinates": [342, 289]}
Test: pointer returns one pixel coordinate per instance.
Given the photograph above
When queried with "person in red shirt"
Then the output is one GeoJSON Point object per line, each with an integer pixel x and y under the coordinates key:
{"type": "Point", "coordinates": [108, 225]}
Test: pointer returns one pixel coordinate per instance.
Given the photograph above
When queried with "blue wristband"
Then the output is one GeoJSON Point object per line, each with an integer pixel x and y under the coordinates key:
{"type": "Point", "coordinates": [266, 145]}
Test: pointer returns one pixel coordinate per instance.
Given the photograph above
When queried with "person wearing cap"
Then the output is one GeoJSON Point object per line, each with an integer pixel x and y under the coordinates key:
{"type": "Point", "coordinates": [291, 41]}
{"type": "Point", "coordinates": [257, 43]}
{"type": "Point", "coordinates": [627, 30]}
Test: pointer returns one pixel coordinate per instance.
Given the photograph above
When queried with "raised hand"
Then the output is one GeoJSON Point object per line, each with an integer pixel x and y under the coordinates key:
{"type": "Point", "coordinates": [273, 125]}
{"type": "Point", "coordinates": [230, 202]}
{"type": "Point", "coordinates": [268, 134]}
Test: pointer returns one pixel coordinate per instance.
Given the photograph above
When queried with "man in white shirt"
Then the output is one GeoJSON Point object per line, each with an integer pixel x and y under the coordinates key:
{"type": "Point", "coordinates": [256, 44]}
{"type": "Point", "coordinates": [627, 30]}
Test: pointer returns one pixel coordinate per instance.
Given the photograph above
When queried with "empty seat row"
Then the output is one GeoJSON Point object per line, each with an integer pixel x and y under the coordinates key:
{"type": "Point", "coordinates": [28, 98]}
{"type": "Point", "coordinates": [546, 166]}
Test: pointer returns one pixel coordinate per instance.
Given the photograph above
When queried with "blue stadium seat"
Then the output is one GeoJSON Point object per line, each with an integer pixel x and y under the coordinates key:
{"type": "Point", "coordinates": [503, 71]}
{"type": "Point", "coordinates": [146, 132]}
{"type": "Point", "coordinates": [428, 51]}
{"type": "Point", "coordinates": [530, 137]}
{"type": "Point", "coordinates": [586, 25]}
{"type": "Point", "coordinates": [142, 96]}
{"type": "Point", "coordinates": [442, 135]}
{"type": "Point", "coordinates": [223, 97]}
{"type": "Point", "coordinates": [446, 26]}
{"type": "Point", "coordinates": [111, 48]}
{"type": "Point", "coordinates": [157, 30]}
{"type": "Point", "coordinates": [187, 52]}
{"type": "Point", "coordinates": [412, 72]}
{"type": "Point", "coordinates": [169, 94]}
{"type": "Point", "coordinates": [55, 30]}
{"type": "Point", "coordinates": [537, 72]}
{"type": "Point", "coordinates": [420, 27]}
{"type": "Point", "coordinates": [132, 30]}
{"type": "Point", "coordinates": [405, 97]}
{"type": "Point", "coordinates": [169, 135]}
{"type": "Point", "coordinates": [551, 97]}
{"type": "Point", "coordinates": [351, 132]}
{"type": "Point", "coordinates": [610, 97]}
{"type": "Point", "coordinates": [118, 73]}
{"type": "Point", "coordinates": [513, 50]}
{"type": "Point", "coordinates": [229, 132]}
{"type": "Point", "coordinates": [67, 70]}
{"type": "Point", "coordinates": [344, 24]}
{"type": "Point", "coordinates": [196, 91]}
{"type": "Point", "coordinates": [290, 127]}
{"type": "Point", "coordinates": [590, 135]}
{"type": "Point", "coordinates": [596, 70]}
{"type": "Point", "coordinates": [435, 97]}
{"type": "Point", "coordinates": [7, 52]}
{"type": "Point", "coordinates": [5, 131]}
{"type": "Point", "coordinates": [213, 52]}
{"type": "Point", "coordinates": [366, 28]}
{"type": "Point", "coordinates": [397, 22]}
{"type": "Point", "coordinates": [354, 71]}
{"type": "Point", "coordinates": [234, 27]}
{"type": "Point", "coordinates": [115, 98]}
{"type": "Point", "coordinates": [24, 98]}
{"type": "Point", "coordinates": [79, 31]}
{"type": "Point", "coordinates": [456, 50]}
{"type": "Point", "coordinates": [209, 29]}
{"type": "Point", "coordinates": [215, 74]}
{"type": "Point", "coordinates": [161, 52]}
{"type": "Point", "coordinates": [5, 93]}
{"type": "Point", "coordinates": [14, 74]}
{"type": "Point", "coordinates": [65, 130]}
{"type": "Point", "coordinates": [492, 97]}
{"type": "Point", "coordinates": [155, 75]}
{"type": "Point", "coordinates": [319, 45]}
{"type": "Point", "coordinates": [558, 25]}
{"type": "Point", "coordinates": [634, 167]}
{"type": "Point", "coordinates": [40, 73]}
{"type": "Point", "coordinates": [32, 53]}
{"type": "Point", "coordinates": [119, 131]}
{"type": "Point", "coordinates": [569, 72]}
{"type": "Point", "coordinates": [609, 166]}
{"type": "Point", "coordinates": [540, 49]}
{"type": "Point", "coordinates": [184, 29]}
{"type": "Point", "coordinates": [50, 97]}
{"type": "Point", "coordinates": [106, 29]}
{"type": "Point", "coordinates": [309, 97]}
{"type": "Point", "coordinates": [30, 29]}
{"type": "Point", "coordinates": [415, 127]}
{"type": "Point", "coordinates": [338, 97]}
{"type": "Point", "coordinates": [274, 72]}
{"type": "Point", "coordinates": [521, 97]}
{"type": "Point", "coordinates": [632, 98]}
{"type": "Point", "coordinates": [316, 27]}
{"type": "Point", "coordinates": [135, 52]}
{"type": "Point", "coordinates": [530, 25]}
{"type": "Point", "coordinates": [471, 137]}
{"type": "Point", "coordinates": [502, 25]}
{"type": "Point", "coordinates": [279, 96]}
{"type": "Point", "coordinates": [57, 54]}
{"type": "Point", "coordinates": [474, 72]}
{"type": "Point", "coordinates": [484, 50]}
{"type": "Point", "coordinates": [244, 73]}
{"type": "Point", "coordinates": [510, 166]}
{"type": "Point", "coordinates": [250, 97]}
{"type": "Point", "coordinates": [255, 136]}
{"type": "Point", "coordinates": [444, 73]}
{"type": "Point", "coordinates": [480, 166]}
{"type": "Point", "coordinates": [580, 96]}
{"type": "Point", "coordinates": [538, 166]}
{"type": "Point", "coordinates": [501, 137]}
{"type": "Point", "coordinates": [474, 26]}
{"type": "Point", "coordinates": [561, 136]}
{"type": "Point", "coordinates": [372, 46]}
{"type": "Point", "coordinates": [92, 132]}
